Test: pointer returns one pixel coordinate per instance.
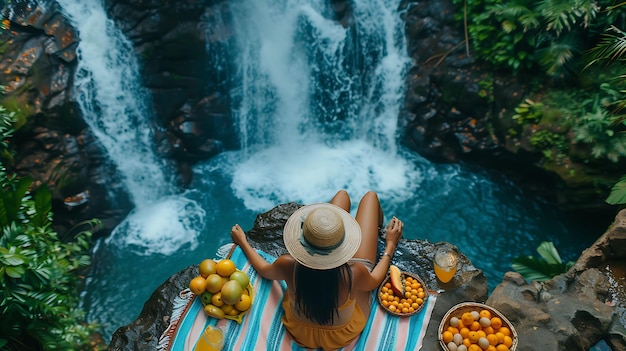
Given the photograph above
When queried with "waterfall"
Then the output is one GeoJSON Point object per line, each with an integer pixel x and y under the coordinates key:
{"type": "Point", "coordinates": [318, 103]}
{"type": "Point", "coordinates": [117, 109]}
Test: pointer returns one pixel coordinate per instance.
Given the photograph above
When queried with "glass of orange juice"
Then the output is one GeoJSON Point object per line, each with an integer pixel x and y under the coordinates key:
{"type": "Point", "coordinates": [445, 264]}
{"type": "Point", "coordinates": [212, 339]}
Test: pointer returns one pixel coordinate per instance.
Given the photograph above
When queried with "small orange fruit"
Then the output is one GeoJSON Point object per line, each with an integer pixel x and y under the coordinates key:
{"type": "Point", "coordinates": [244, 304]}
{"type": "Point", "coordinates": [465, 332]}
{"type": "Point", "coordinates": [447, 336]}
{"type": "Point", "coordinates": [467, 318]}
{"type": "Point", "coordinates": [485, 313]}
{"type": "Point", "coordinates": [496, 323]}
{"type": "Point", "coordinates": [473, 337]}
{"type": "Point", "coordinates": [504, 330]}
{"type": "Point", "coordinates": [207, 267]}
{"type": "Point", "coordinates": [197, 285]}
{"type": "Point", "coordinates": [502, 347]}
{"type": "Point", "coordinates": [226, 267]}
{"type": "Point", "coordinates": [508, 341]}
{"type": "Point", "coordinates": [500, 337]}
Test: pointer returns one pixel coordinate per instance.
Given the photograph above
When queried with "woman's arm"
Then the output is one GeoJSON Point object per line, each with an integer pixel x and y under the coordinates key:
{"type": "Point", "coordinates": [274, 271]}
{"type": "Point", "coordinates": [370, 281]}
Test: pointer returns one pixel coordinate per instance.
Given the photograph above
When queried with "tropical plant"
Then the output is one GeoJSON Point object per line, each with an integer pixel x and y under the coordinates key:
{"type": "Point", "coordinates": [528, 111]}
{"type": "Point", "coordinates": [39, 281]}
{"type": "Point", "coordinates": [39, 274]}
{"type": "Point", "coordinates": [523, 35]}
{"type": "Point", "coordinates": [598, 129]}
{"type": "Point", "coordinates": [6, 131]}
{"type": "Point", "coordinates": [611, 50]}
{"type": "Point", "coordinates": [544, 268]}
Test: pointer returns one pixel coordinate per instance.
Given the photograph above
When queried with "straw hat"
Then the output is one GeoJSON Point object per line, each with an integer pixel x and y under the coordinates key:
{"type": "Point", "coordinates": [322, 236]}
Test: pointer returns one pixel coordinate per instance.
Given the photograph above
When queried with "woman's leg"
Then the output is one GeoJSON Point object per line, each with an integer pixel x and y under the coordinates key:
{"type": "Point", "coordinates": [370, 218]}
{"type": "Point", "coordinates": [342, 199]}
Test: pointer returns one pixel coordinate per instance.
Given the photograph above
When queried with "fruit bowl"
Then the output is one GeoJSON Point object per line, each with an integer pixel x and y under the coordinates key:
{"type": "Point", "coordinates": [497, 321]}
{"type": "Point", "coordinates": [418, 295]}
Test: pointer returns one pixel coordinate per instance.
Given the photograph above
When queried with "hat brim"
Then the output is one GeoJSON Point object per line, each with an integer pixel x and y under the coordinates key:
{"type": "Point", "coordinates": [335, 257]}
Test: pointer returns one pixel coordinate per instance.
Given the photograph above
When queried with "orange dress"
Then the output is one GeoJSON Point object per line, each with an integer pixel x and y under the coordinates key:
{"type": "Point", "coordinates": [329, 337]}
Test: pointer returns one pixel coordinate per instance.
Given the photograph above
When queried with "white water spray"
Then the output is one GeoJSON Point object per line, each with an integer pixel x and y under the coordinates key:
{"type": "Point", "coordinates": [319, 102]}
{"type": "Point", "coordinates": [117, 109]}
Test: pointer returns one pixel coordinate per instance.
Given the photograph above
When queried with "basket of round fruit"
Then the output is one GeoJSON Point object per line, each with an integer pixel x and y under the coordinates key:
{"type": "Point", "coordinates": [224, 290]}
{"type": "Point", "coordinates": [402, 293]}
{"type": "Point", "coordinates": [472, 326]}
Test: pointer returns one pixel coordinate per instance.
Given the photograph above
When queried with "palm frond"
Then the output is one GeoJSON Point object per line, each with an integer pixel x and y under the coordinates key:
{"type": "Point", "coordinates": [543, 268]}
{"type": "Point", "coordinates": [612, 47]}
{"type": "Point", "coordinates": [556, 56]}
{"type": "Point", "coordinates": [549, 253]}
{"type": "Point", "coordinates": [563, 15]}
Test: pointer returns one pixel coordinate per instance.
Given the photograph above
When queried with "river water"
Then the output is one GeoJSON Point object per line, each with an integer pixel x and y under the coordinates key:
{"type": "Point", "coordinates": [316, 108]}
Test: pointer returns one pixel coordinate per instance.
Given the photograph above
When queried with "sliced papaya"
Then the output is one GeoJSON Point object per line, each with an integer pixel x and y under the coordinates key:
{"type": "Point", "coordinates": [395, 278]}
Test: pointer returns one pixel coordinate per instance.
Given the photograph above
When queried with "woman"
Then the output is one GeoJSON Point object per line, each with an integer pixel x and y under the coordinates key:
{"type": "Point", "coordinates": [329, 271]}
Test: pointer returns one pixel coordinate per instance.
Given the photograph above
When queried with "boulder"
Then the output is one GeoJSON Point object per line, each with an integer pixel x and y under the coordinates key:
{"type": "Point", "coordinates": [575, 310]}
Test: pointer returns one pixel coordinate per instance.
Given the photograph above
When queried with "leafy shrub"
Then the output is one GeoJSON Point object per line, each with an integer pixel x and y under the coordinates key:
{"type": "Point", "coordinates": [39, 284]}
{"type": "Point", "coordinates": [528, 112]}
{"type": "Point", "coordinates": [523, 35]}
{"type": "Point", "coordinates": [598, 129]}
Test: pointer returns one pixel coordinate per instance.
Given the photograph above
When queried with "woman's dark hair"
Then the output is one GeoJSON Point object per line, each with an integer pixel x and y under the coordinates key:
{"type": "Point", "coordinates": [317, 291]}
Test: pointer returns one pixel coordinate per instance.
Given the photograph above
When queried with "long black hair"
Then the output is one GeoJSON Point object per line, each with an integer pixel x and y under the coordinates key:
{"type": "Point", "coordinates": [317, 291]}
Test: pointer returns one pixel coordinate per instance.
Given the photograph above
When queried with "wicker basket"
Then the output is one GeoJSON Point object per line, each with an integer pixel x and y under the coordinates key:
{"type": "Point", "coordinates": [400, 314]}
{"type": "Point", "coordinates": [458, 310]}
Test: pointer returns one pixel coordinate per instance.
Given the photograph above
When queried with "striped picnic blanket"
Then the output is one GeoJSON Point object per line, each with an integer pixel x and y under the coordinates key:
{"type": "Point", "coordinates": [262, 329]}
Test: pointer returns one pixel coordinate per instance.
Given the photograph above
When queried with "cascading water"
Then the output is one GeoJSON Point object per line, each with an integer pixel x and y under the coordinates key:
{"type": "Point", "coordinates": [117, 109]}
{"type": "Point", "coordinates": [316, 106]}
{"type": "Point", "coordinates": [318, 103]}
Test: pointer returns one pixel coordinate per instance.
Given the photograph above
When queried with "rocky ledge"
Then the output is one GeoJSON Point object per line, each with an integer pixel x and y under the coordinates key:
{"type": "Point", "coordinates": [573, 311]}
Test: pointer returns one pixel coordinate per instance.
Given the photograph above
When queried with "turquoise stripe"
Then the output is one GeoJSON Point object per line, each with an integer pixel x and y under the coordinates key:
{"type": "Point", "coordinates": [277, 332]}
{"type": "Point", "coordinates": [390, 336]}
{"type": "Point", "coordinates": [261, 293]}
{"type": "Point", "coordinates": [416, 325]}
{"type": "Point", "coordinates": [185, 324]}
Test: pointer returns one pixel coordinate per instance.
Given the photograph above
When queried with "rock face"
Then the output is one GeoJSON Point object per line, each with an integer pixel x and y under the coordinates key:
{"type": "Point", "coordinates": [52, 142]}
{"type": "Point", "coordinates": [572, 311]}
{"type": "Point", "coordinates": [266, 234]}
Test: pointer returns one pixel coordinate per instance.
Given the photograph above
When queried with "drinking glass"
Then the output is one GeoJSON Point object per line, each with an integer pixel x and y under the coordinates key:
{"type": "Point", "coordinates": [212, 339]}
{"type": "Point", "coordinates": [445, 264]}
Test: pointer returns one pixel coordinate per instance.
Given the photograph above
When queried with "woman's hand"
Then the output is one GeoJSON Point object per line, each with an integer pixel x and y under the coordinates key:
{"type": "Point", "coordinates": [394, 232]}
{"type": "Point", "coordinates": [238, 235]}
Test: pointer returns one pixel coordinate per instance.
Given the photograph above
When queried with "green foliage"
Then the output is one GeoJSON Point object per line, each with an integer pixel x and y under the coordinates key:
{"type": "Point", "coordinates": [528, 112]}
{"type": "Point", "coordinates": [598, 129]}
{"type": "Point", "coordinates": [545, 140]}
{"type": "Point", "coordinates": [618, 193]}
{"type": "Point", "coordinates": [38, 273]}
{"type": "Point", "coordinates": [544, 268]}
{"type": "Point", "coordinates": [39, 282]}
{"type": "Point", "coordinates": [6, 132]}
{"type": "Point", "coordinates": [523, 35]}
